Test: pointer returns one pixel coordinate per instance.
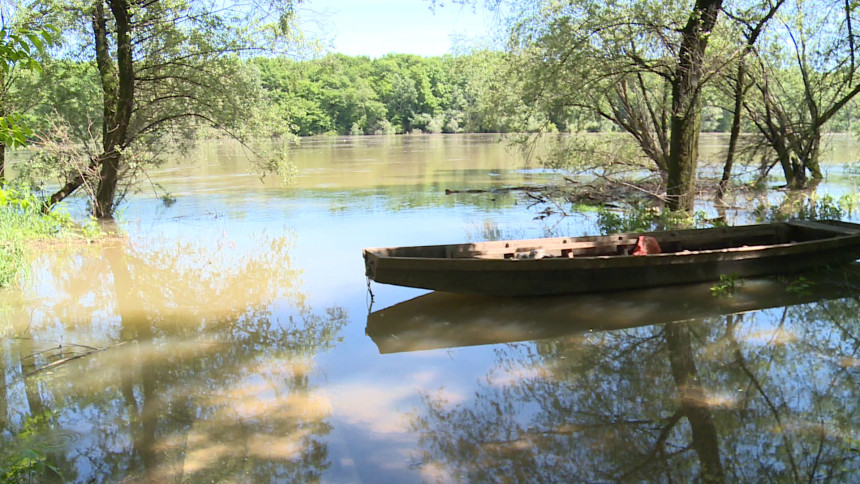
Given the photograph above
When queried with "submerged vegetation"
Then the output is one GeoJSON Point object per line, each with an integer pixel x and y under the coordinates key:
{"type": "Point", "coordinates": [29, 458]}
{"type": "Point", "coordinates": [23, 223]}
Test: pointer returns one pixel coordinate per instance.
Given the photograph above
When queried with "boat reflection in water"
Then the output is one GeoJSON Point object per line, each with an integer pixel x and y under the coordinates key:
{"type": "Point", "coordinates": [724, 390]}
{"type": "Point", "coordinates": [446, 320]}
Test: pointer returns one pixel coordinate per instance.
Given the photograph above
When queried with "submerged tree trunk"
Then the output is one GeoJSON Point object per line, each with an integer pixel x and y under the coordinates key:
{"type": "Point", "coordinates": [793, 126]}
{"type": "Point", "coordinates": [735, 130]}
{"type": "Point", "coordinates": [740, 90]}
{"type": "Point", "coordinates": [118, 96]}
{"type": "Point", "coordinates": [686, 105]}
{"type": "Point", "coordinates": [103, 204]}
{"type": "Point", "coordinates": [798, 155]}
{"type": "Point", "coordinates": [117, 81]}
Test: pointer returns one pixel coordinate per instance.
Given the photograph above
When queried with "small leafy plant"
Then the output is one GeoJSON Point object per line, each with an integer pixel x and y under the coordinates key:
{"type": "Point", "coordinates": [639, 218]}
{"type": "Point", "coordinates": [28, 458]}
{"type": "Point", "coordinates": [728, 285]}
{"type": "Point", "coordinates": [800, 286]}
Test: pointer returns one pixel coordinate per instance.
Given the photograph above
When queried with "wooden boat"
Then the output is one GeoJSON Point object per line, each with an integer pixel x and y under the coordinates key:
{"type": "Point", "coordinates": [569, 265]}
{"type": "Point", "coordinates": [446, 320]}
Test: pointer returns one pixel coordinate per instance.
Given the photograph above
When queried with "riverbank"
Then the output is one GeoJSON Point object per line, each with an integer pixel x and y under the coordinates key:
{"type": "Point", "coordinates": [22, 225]}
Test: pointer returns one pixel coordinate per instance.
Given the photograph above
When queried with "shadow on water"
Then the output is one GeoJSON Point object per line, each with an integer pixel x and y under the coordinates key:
{"type": "Point", "coordinates": [199, 366]}
{"type": "Point", "coordinates": [669, 385]}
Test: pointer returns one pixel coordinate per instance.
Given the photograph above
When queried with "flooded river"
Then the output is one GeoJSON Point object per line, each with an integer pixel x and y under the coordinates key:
{"type": "Point", "coordinates": [230, 337]}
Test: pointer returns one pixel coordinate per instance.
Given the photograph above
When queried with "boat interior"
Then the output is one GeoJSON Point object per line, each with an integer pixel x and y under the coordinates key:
{"type": "Point", "coordinates": [679, 241]}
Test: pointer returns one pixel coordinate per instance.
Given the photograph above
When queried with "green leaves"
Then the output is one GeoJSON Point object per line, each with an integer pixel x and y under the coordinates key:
{"type": "Point", "coordinates": [12, 132]}
{"type": "Point", "coordinates": [22, 46]}
{"type": "Point", "coordinates": [728, 285]}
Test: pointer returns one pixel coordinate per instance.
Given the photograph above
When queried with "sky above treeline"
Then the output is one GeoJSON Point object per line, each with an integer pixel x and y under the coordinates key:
{"type": "Point", "coordinates": [378, 27]}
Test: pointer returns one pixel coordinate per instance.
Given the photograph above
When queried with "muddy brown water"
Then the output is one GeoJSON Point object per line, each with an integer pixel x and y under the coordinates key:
{"type": "Point", "coordinates": [230, 338]}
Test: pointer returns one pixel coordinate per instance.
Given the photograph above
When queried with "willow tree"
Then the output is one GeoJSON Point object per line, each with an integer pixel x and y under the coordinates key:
{"type": "Point", "coordinates": [805, 72]}
{"type": "Point", "coordinates": [166, 69]}
{"type": "Point", "coordinates": [638, 65]}
{"type": "Point", "coordinates": [749, 23]}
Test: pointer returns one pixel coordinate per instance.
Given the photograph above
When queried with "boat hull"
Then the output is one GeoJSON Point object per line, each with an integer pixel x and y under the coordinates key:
{"type": "Point", "coordinates": [562, 275]}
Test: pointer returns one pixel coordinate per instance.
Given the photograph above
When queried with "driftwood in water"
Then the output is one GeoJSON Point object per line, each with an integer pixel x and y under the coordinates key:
{"type": "Point", "coordinates": [597, 193]}
{"type": "Point", "coordinates": [499, 190]}
{"type": "Point", "coordinates": [63, 354]}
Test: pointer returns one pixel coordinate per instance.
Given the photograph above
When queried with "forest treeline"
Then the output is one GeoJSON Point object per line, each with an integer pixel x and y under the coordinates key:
{"type": "Point", "coordinates": [394, 94]}
{"type": "Point", "coordinates": [333, 94]}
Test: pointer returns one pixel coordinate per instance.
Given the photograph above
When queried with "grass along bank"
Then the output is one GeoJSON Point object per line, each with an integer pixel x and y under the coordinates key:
{"type": "Point", "coordinates": [22, 225]}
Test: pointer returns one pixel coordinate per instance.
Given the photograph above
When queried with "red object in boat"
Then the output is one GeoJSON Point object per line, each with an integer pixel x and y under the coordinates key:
{"type": "Point", "coordinates": [646, 245]}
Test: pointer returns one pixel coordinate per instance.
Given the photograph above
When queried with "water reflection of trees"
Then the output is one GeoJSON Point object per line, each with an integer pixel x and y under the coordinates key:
{"type": "Point", "coordinates": [773, 393]}
{"type": "Point", "coordinates": [215, 381]}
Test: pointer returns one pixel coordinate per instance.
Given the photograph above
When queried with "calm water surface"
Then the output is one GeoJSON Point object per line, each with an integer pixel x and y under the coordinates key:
{"type": "Point", "coordinates": [231, 338]}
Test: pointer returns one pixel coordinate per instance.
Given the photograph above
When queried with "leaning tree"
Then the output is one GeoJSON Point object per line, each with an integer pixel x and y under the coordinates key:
{"type": "Point", "coordinates": [167, 68]}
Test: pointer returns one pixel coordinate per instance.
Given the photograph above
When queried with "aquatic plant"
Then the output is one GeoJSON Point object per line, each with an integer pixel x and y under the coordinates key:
{"type": "Point", "coordinates": [29, 457]}
{"type": "Point", "coordinates": [728, 285]}
{"type": "Point", "coordinates": [808, 207]}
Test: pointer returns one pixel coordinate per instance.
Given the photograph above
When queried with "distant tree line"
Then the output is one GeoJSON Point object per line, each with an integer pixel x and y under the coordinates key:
{"type": "Point", "coordinates": [394, 94]}
{"type": "Point", "coordinates": [334, 94]}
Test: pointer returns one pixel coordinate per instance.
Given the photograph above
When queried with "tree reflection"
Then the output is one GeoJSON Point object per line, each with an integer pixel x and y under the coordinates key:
{"type": "Point", "coordinates": [215, 380]}
{"type": "Point", "coordinates": [772, 393]}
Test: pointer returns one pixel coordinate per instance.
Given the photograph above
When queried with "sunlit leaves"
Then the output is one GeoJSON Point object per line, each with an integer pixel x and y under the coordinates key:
{"type": "Point", "coordinates": [22, 47]}
{"type": "Point", "coordinates": [12, 132]}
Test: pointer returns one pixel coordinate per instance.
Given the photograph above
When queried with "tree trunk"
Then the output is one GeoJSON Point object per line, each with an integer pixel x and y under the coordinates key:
{"type": "Point", "coordinates": [735, 130]}
{"type": "Point", "coordinates": [2, 164]}
{"type": "Point", "coordinates": [740, 94]}
{"type": "Point", "coordinates": [118, 83]}
{"type": "Point", "coordinates": [811, 160]}
{"type": "Point", "coordinates": [117, 80]}
{"type": "Point", "coordinates": [783, 154]}
{"type": "Point", "coordinates": [686, 104]}
{"type": "Point", "coordinates": [103, 204]}
{"type": "Point", "coordinates": [62, 193]}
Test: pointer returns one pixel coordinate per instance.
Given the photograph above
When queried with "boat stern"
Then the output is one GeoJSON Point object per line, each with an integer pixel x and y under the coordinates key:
{"type": "Point", "coordinates": [369, 262]}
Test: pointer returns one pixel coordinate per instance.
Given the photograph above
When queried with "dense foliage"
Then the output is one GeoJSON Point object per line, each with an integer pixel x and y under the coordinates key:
{"type": "Point", "coordinates": [397, 93]}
